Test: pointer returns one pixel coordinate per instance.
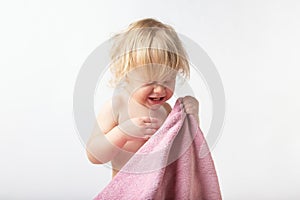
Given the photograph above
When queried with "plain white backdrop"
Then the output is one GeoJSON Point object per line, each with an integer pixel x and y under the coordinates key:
{"type": "Point", "coordinates": [254, 44]}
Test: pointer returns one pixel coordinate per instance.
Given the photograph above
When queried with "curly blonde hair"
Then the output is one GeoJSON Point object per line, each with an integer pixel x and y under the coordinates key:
{"type": "Point", "coordinates": [147, 42]}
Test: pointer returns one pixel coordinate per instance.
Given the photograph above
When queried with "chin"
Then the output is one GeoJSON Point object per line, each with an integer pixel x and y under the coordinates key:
{"type": "Point", "coordinates": [155, 107]}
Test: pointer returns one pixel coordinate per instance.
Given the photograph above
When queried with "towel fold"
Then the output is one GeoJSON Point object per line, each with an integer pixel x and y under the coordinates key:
{"type": "Point", "coordinates": [175, 163]}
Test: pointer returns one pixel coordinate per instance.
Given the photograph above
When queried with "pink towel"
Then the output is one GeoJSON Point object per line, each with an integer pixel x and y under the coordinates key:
{"type": "Point", "coordinates": [175, 163]}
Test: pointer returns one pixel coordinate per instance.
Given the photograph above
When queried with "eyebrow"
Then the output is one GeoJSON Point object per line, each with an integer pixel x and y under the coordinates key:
{"type": "Point", "coordinates": [151, 82]}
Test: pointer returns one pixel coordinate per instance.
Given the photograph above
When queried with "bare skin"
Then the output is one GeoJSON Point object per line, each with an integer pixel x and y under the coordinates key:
{"type": "Point", "coordinates": [132, 146]}
{"type": "Point", "coordinates": [124, 141]}
{"type": "Point", "coordinates": [131, 118]}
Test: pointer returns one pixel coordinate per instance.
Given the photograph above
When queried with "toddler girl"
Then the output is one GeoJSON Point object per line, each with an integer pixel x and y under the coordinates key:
{"type": "Point", "coordinates": [145, 60]}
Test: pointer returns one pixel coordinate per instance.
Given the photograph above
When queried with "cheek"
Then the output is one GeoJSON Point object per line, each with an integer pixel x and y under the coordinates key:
{"type": "Point", "coordinates": [142, 93]}
{"type": "Point", "coordinates": [169, 94]}
{"type": "Point", "coordinates": [170, 90]}
{"type": "Point", "coordinates": [171, 86]}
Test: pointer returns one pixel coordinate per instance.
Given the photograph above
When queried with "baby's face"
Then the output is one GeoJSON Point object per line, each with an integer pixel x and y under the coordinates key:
{"type": "Point", "coordinates": [154, 94]}
{"type": "Point", "coordinates": [150, 91]}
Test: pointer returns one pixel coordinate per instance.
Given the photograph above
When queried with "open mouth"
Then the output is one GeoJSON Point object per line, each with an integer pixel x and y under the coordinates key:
{"type": "Point", "coordinates": [156, 99]}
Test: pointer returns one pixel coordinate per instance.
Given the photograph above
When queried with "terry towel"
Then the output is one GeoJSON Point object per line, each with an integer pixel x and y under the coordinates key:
{"type": "Point", "coordinates": [175, 163]}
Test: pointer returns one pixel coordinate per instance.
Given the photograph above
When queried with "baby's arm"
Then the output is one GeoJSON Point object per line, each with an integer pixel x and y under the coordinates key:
{"type": "Point", "coordinates": [105, 142]}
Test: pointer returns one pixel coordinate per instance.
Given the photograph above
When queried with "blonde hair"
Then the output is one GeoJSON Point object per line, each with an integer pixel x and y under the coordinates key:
{"type": "Point", "coordinates": [147, 42]}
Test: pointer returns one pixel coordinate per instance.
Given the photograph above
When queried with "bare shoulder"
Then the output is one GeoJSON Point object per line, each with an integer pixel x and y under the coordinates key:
{"type": "Point", "coordinates": [167, 107]}
{"type": "Point", "coordinates": [108, 115]}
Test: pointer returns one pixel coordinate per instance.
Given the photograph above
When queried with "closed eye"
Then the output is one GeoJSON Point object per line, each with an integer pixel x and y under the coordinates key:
{"type": "Point", "coordinates": [148, 84]}
{"type": "Point", "coordinates": [167, 82]}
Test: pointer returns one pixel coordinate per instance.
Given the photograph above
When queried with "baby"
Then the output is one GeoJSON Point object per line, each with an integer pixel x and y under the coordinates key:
{"type": "Point", "coordinates": [146, 58]}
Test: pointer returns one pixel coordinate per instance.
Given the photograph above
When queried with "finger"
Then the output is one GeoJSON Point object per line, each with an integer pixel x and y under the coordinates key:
{"type": "Point", "coordinates": [190, 105]}
{"type": "Point", "coordinates": [181, 106]}
{"type": "Point", "coordinates": [152, 125]}
{"type": "Point", "coordinates": [154, 120]}
{"type": "Point", "coordinates": [191, 111]}
{"type": "Point", "coordinates": [180, 99]}
{"type": "Point", "coordinates": [150, 131]}
{"type": "Point", "coordinates": [147, 137]}
{"type": "Point", "coordinates": [149, 119]}
{"type": "Point", "coordinates": [188, 97]}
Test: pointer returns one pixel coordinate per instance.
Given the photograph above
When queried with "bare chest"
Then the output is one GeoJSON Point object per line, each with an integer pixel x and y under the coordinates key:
{"type": "Point", "coordinates": [133, 146]}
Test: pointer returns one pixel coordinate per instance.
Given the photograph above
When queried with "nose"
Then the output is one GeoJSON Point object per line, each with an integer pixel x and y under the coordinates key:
{"type": "Point", "coordinates": [159, 89]}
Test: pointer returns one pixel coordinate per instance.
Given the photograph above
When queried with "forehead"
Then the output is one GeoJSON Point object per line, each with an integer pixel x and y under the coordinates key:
{"type": "Point", "coordinates": [152, 73]}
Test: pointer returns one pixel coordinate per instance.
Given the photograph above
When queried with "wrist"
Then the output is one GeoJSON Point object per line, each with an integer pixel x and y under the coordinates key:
{"type": "Point", "coordinates": [117, 137]}
{"type": "Point", "coordinates": [197, 119]}
{"type": "Point", "coordinates": [121, 134]}
{"type": "Point", "coordinates": [196, 116]}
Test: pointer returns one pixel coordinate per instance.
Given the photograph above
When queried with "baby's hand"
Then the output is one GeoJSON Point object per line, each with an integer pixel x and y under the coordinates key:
{"type": "Point", "coordinates": [191, 106]}
{"type": "Point", "coordinates": [140, 128]}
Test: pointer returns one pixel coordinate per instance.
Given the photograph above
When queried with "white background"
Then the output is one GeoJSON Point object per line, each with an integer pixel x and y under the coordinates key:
{"type": "Point", "coordinates": [254, 44]}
